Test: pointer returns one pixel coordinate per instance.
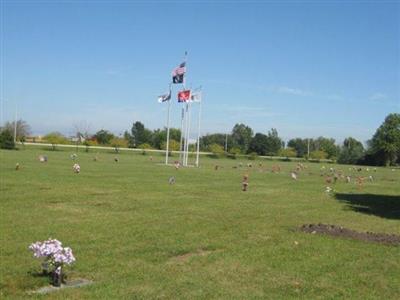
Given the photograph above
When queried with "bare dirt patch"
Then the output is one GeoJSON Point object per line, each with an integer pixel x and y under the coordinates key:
{"type": "Point", "coordinates": [338, 231]}
{"type": "Point", "coordinates": [186, 256]}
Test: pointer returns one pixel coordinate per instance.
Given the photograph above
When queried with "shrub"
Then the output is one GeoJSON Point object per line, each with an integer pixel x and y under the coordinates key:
{"type": "Point", "coordinates": [144, 146]}
{"type": "Point", "coordinates": [118, 143]}
{"type": "Point", "coordinates": [319, 154]}
{"type": "Point", "coordinates": [252, 156]}
{"type": "Point", "coordinates": [55, 138]}
{"type": "Point", "coordinates": [173, 145]}
{"type": "Point", "coordinates": [216, 150]}
{"type": "Point", "coordinates": [6, 139]}
{"type": "Point", "coordinates": [287, 152]}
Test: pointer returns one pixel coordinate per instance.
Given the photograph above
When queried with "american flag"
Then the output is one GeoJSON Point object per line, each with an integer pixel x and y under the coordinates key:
{"type": "Point", "coordinates": [179, 70]}
{"type": "Point", "coordinates": [184, 96]}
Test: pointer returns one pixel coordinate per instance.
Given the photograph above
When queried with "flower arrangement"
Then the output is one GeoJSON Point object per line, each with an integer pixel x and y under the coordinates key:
{"type": "Point", "coordinates": [55, 258]}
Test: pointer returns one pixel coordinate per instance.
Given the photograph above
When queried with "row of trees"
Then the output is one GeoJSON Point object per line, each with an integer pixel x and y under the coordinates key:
{"type": "Point", "coordinates": [382, 149]}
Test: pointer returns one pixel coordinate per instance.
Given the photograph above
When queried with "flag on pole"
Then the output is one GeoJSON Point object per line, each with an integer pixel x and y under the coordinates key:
{"type": "Point", "coordinates": [184, 96]}
{"type": "Point", "coordinates": [178, 73]}
{"type": "Point", "coordinates": [195, 97]}
{"type": "Point", "coordinates": [165, 97]}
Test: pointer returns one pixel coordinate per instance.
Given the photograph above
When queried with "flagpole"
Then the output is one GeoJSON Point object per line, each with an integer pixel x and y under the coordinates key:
{"type": "Point", "coordinates": [188, 133]}
{"type": "Point", "coordinates": [198, 134]}
{"type": "Point", "coordinates": [15, 124]}
{"type": "Point", "coordinates": [168, 115]}
{"type": "Point", "coordinates": [186, 117]}
{"type": "Point", "coordinates": [185, 140]}
{"type": "Point", "coordinates": [180, 143]}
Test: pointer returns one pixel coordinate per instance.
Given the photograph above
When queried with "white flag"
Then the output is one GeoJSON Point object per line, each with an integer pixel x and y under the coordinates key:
{"type": "Point", "coordinates": [196, 97]}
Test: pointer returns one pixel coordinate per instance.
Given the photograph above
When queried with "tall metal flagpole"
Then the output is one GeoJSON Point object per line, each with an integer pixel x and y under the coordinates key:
{"type": "Point", "coordinates": [180, 143]}
{"type": "Point", "coordinates": [186, 136]}
{"type": "Point", "coordinates": [15, 124]}
{"type": "Point", "coordinates": [198, 133]}
{"type": "Point", "coordinates": [188, 133]}
{"type": "Point", "coordinates": [168, 114]}
{"type": "Point", "coordinates": [185, 116]}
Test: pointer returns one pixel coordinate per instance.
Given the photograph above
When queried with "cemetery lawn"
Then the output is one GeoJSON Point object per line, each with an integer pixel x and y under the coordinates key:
{"type": "Point", "coordinates": [137, 237]}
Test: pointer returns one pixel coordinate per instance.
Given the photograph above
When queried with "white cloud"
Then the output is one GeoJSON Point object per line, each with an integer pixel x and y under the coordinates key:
{"type": "Point", "coordinates": [378, 97]}
{"type": "Point", "coordinates": [249, 111]}
{"type": "Point", "coordinates": [292, 91]}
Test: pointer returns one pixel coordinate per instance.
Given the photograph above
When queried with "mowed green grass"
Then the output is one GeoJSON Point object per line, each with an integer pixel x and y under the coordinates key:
{"type": "Point", "coordinates": [137, 237]}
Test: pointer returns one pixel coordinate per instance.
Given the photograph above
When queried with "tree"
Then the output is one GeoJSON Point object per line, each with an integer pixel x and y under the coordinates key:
{"type": "Point", "coordinates": [217, 150]}
{"type": "Point", "coordinates": [299, 145]}
{"type": "Point", "coordinates": [259, 144]}
{"type": "Point", "coordinates": [159, 137]}
{"type": "Point", "coordinates": [351, 152]}
{"type": "Point", "coordinates": [81, 130]}
{"type": "Point", "coordinates": [55, 138]}
{"type": "Point", "coordinates": [216, 138]}
{"type": "Point", "coordinates": [287, 152]}
{"type": "Point", "coordinates": [139, 134]}
{"type": "Point", "coordinates": [385, 144]}
{"type": "Point", "coordinates": [241, 137]}
{"type": "Point", "coordinates": [274, 142]}
{"type": "Point", "coordinates": [6, 139]}
{"type": "Point", "coordinates": [23, 129]}
{"type": "Point", "coordinates": [173, 145]}
{"type": "Point", "coordinates": [318, 154]}
{"type": "Point", "coordinates": [328, 146]}
{"type": "Point", "coordinates": [103, 137]}
{"type": "Point", "coordinates": [117, 143]}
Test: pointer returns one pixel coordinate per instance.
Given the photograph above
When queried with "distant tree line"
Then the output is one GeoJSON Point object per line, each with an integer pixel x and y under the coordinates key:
{"type": "Point", "coordinates": [382, 149]}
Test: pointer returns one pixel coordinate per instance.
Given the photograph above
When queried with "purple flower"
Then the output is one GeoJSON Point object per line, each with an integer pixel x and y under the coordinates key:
{"type": "Point", "coordinates": [53, 251]}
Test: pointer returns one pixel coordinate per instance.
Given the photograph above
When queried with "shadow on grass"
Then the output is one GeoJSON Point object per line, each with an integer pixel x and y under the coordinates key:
{"type": "Point", "coordinates": [384, 206]}
{"type": "Point", "coordinates": [36, 273]}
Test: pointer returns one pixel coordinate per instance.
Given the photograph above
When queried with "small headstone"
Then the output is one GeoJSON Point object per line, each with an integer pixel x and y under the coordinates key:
{"type": "Point", "coordinates": [360, 182]}
{"type": "Point", "coordinates": [43, 158]}
{"type": "Point", "coordinates": [171, 180]}
{"type": "Point", "coordinates": [293, 175]}
{"type": "Point", "coordinates": [348, 179]}
{"type": "Point", "coordinates": [17, 166]}
{"type": "Point", "coordinates": [245, 183]}
{"type": "Point", "coordinates": [335, 177]}
{"type": "Point", "coordinates": [76, 168]}
{"type": "Point", "coordinates": [70, 284]}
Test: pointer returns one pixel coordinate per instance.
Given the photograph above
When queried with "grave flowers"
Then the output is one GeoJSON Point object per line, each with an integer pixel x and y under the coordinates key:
{"type": "Point", "coordinates": [55, 258]}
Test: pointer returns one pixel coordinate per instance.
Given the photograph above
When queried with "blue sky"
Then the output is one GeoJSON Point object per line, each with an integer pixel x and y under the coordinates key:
{"type": "Point", "coordinates": [306, 68]}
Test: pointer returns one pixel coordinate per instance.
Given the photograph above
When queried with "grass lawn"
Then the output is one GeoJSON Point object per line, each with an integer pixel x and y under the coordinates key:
{"type": "Point", "coordinates": [138, 237]}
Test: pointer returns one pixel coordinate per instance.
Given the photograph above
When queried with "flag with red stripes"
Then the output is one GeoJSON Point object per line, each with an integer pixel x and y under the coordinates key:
{"type": "Point", "coordinates": [184, 96]}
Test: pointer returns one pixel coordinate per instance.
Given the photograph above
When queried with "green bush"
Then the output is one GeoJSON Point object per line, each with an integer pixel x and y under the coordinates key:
{"type": "Point", "coordinates": [252, 156]}
{"type": "Point", "coordinates": [216, 150]}
{"type": "Point", "coordinates": [6, 139]}
{"type": "Point", "coordinates": [55, 138]}
{"type": "Point", "coordinates": [319, 154]}
{"type": "Point", "coordinates": [287, 152]}
{"type": "Point", "coordinates": [144, 146]}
